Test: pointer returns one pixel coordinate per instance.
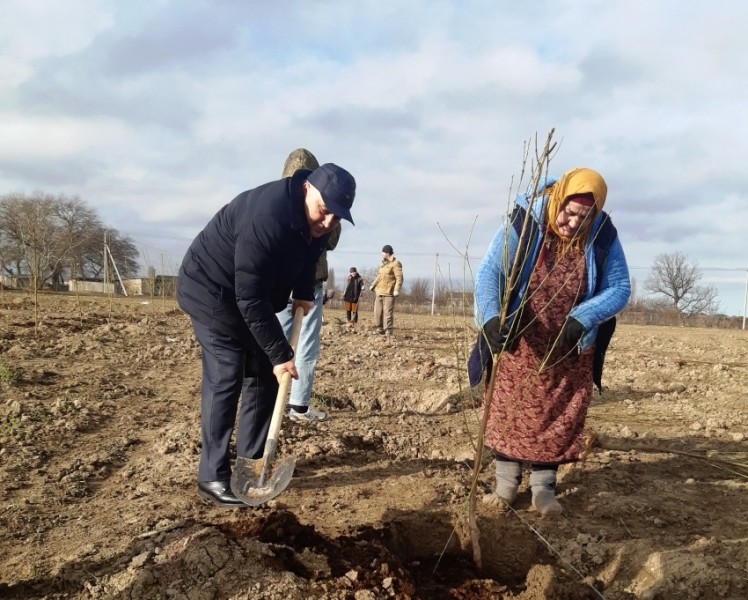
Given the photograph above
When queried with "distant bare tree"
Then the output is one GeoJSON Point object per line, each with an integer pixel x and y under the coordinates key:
{"type": "Point", "coordinates": [677, 278]}
{"type": "Point", "coordinates": [330, 278]}
{"type": "Point", "coordinates": [30, 228]}
{"type": "Point", "coordinates": [79, 227]}
{"type": "Point", "coordinates": [419, 290]}
{"type": "Point", "coordinates": [124, 252]}
{"type": "Point", "coordinates": [11, 251]}
{"type": "Point", "coordinates": [44, 237]}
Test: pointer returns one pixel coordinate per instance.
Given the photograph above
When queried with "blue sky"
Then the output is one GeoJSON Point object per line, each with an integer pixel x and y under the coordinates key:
{"type": "Point", "coordinates": [158, 112]}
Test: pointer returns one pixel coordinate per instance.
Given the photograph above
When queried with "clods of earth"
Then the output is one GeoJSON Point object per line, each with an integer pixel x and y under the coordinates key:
{"type": "Point", "coordinates": [99, 443]}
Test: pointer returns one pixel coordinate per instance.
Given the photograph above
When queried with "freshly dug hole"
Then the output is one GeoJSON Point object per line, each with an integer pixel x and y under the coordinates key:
{"type": "Point", "coordinates": [418, 555]}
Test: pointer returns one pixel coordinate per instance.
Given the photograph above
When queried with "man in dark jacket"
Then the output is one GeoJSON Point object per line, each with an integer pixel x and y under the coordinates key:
{"type": "Point", "coordinates": [351, 295]}
{"type": "Point", "coordinates": [239, 271]}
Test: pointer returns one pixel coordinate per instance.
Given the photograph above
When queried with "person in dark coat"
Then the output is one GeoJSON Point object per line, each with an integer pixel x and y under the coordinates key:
{"type": "Point", "coordinates": [351, 295]}
{"type": "Point", "coordinates": [239, 271]}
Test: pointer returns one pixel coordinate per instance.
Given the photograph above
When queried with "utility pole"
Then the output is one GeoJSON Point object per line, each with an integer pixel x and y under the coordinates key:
{"type": "Point", "coordinates": [116, 270]}
{"type": "Point", "coordinates": [433, 287]}
{"type": "Point", "coordinates": [745, 299]}
{"type": "Point", "coordinates": [105, 273]}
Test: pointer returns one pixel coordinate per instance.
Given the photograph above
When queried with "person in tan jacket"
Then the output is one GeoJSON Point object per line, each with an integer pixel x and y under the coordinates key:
{"type": "Point", "coordinates": [386, 287]}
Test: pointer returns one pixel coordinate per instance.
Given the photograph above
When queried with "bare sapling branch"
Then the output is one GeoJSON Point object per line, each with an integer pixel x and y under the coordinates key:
{"type": "Point", "coordinates": [538, 169]}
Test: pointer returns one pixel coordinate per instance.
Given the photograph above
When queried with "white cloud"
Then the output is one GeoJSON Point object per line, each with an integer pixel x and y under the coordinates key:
{"type": "Point", "coordinates": [35, 29]}
{"type": "Point", "coordinates": [158, 113]}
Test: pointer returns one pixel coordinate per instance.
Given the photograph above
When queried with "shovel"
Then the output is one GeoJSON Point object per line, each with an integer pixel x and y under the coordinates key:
{"type": "Point", "coordinates": [256, 481]}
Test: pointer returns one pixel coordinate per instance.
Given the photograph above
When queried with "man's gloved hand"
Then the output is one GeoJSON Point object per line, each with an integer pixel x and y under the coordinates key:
{"type": "Point", "coordinates": [497, 336]}
{"type": "Point", "coordinates": [371, 288]}
{"type": "Point", "coordinates": [571, 333]}
{"type": "Point", "coordinates": [395, 294]}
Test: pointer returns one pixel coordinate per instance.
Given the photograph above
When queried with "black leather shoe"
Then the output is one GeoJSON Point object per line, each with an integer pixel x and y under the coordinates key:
{"type": "Point", "coordinates": [219, 493]}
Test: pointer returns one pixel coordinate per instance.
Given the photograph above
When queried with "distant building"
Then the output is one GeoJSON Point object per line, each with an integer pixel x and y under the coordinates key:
{"type": "Point", "coordinates": [16, 282]}
{"type": "Point", "coordinates": [157, 285]}
{"type": "Point", "coordinates": [91, 286]}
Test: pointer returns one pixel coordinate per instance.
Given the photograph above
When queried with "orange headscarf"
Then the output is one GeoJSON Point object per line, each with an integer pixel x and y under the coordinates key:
{"type": "Point", "coordinates": [575, 181]}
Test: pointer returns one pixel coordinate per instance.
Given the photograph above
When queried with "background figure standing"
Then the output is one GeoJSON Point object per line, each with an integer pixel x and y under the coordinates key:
{"type": "Point", "coordinates": [386, 286]}
{"type": "Point", "coordinates": [308, 346]}
{"type": "Point", "coordinates": [238, 272]}
{"type": "Point", "coordinates": [572, 280]}
{"type": "Point", "coordinates": [351, 295]}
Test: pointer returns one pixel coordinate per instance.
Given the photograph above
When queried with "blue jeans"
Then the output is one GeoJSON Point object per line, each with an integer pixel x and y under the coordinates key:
{"type": "Point", "coordinates": [307, 350]}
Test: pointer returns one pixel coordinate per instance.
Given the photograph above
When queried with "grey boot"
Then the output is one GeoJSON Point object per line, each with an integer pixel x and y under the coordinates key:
{"type": "Point", "coordinates": [543, 486]}
{"type": "Point", "coordinates": [508, 475]}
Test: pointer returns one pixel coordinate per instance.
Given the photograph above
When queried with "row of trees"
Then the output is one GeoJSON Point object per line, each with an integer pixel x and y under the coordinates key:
{"type": "Point", "coordinates": [47, 238]}
{"type": "Point", "coordinates": [674, 282]}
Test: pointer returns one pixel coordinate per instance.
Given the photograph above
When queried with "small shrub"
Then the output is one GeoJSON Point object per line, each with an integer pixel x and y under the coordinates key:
{"type": "Point", "coordinates": [7, 375]}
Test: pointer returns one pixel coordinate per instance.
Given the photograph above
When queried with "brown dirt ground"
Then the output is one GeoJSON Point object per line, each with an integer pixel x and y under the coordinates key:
{"type": "Point", "coordinates": [99, 442]}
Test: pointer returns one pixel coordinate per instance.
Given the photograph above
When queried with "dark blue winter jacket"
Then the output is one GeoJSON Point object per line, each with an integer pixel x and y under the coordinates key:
{"type": "Point", "coordinates": [242, 267]}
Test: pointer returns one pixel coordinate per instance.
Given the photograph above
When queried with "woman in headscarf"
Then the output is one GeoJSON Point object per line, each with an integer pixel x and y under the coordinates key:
{"type": "Point", "coordinates": [559, 268]}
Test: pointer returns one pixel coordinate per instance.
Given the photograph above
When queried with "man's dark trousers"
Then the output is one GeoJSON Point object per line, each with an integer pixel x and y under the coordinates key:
{"type": "Point", "coordinates": [230, 369]}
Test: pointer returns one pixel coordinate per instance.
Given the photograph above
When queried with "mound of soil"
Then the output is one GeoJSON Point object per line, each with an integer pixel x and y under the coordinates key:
{"type": "Point", "coordinates": [99, 443]}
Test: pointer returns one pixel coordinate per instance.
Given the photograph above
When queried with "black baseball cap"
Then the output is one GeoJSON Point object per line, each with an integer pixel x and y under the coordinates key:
{"type": "Point", "coordinates": [337, 187]}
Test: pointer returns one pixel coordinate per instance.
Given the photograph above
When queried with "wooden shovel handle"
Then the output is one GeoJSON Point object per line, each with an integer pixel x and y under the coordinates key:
{"type": "Point", "coordinates": [285, 384]}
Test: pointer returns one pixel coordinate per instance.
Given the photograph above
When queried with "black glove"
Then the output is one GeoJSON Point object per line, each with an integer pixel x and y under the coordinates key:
{"type": "Point", "coordinates": [571, 333]}
{"type": "Point", "coordinates": [497, 336]}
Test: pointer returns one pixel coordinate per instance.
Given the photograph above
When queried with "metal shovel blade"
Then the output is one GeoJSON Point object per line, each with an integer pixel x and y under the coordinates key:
{"type": "Point", "coordinates": [247, 484]}
{"type": "Point", "coordinates": [255, 481]}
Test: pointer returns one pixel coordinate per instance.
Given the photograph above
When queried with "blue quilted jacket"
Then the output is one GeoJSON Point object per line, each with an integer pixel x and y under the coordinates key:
{"type": "Point", "coordinates": [606, 295]}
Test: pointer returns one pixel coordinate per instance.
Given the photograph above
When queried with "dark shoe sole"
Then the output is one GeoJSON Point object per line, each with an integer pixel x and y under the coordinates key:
{"type": "Point", "coordinates": [210, 499]}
